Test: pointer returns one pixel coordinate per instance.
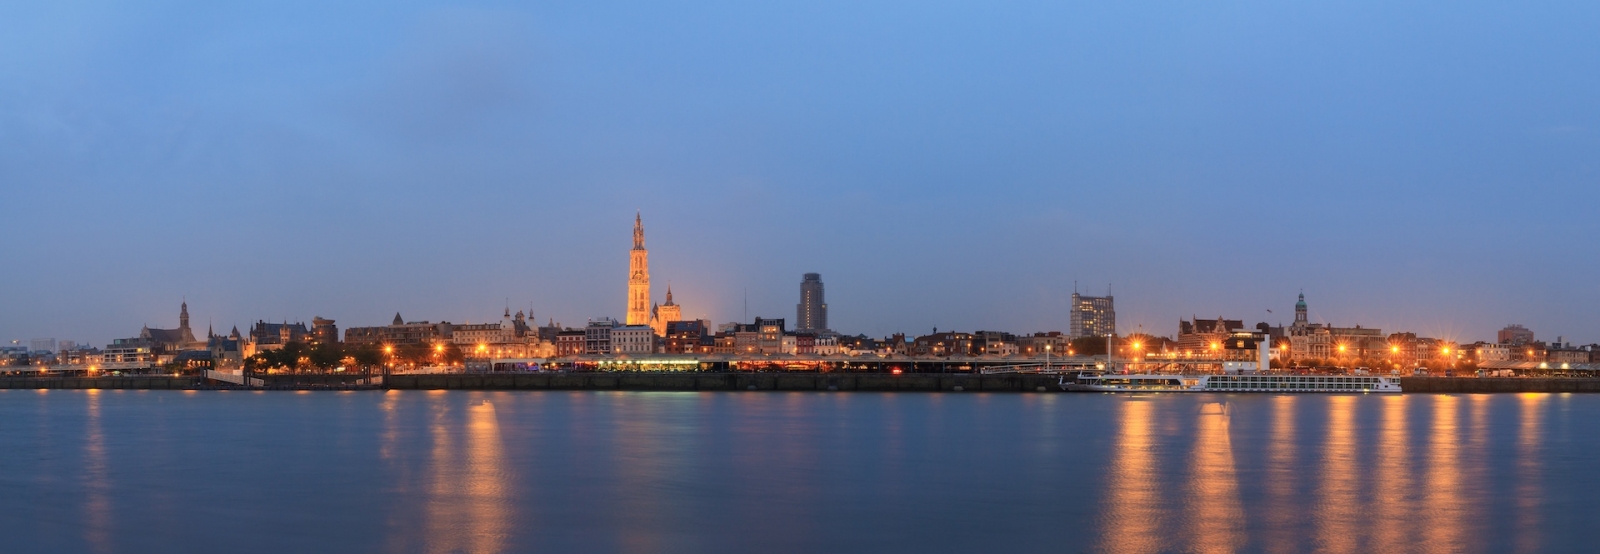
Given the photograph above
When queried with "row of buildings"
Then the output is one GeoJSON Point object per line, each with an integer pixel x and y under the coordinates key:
{"type": "Point", "coordinates": [651, 327]}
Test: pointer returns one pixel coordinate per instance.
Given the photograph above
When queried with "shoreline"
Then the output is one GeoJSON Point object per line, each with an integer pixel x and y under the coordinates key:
{"type": "Point", "coordinates": [844, 382]}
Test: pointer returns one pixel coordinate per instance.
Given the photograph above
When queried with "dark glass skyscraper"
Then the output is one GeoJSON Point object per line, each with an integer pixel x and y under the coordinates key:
{"type": "Point", "coordinates": [811, 314]}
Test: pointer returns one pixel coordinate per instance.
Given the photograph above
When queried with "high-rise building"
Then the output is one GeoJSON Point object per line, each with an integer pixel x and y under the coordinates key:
{"type": "Point", "coordinates": [1515, 335]}
{"type": "Point", "coordinates": [638, 277]}
{"type": "Point", "coordinates": [42, 345]}
{"type": "Point", "coordinates": [1093, 316]}
{"type": "Point", "coordinates": [811, 314]}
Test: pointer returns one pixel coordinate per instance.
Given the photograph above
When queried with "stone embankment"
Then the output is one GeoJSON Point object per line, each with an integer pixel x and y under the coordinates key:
{"type": "Point", "coordinates": [882, 382]}
{"type": "Point", "coordinates": [1498, 384]}
{"type": "Point", "coordinates": [140, 382]}
{"type": "Point", "coordinates": [877, 382]}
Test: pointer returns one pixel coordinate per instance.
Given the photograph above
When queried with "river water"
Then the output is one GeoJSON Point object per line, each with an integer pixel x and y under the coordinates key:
{"type": "Point", "coordinates": [208, 471]}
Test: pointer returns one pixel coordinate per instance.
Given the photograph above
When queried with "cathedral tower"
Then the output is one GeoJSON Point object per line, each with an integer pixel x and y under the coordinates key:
{"type": "Point", "coordinates": [638, 277]}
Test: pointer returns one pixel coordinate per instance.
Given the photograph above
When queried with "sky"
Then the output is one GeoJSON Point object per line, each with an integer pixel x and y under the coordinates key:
{"type": "Point", "coordinates": [960, 165]}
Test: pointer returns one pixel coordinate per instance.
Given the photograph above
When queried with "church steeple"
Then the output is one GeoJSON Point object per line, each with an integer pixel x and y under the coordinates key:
{"type": "Point", "coordinates": [638, 231]}
{"type": "Point", "coordinates": [183, 316]}
{"type": "Point", "coordinates": [638, 277]}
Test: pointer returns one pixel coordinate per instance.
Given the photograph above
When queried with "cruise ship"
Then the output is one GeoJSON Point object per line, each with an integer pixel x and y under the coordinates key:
{"type": "Point", "coordinates": [1223, 376]}
{"type": "Point", "coordinates": [1231, 383]}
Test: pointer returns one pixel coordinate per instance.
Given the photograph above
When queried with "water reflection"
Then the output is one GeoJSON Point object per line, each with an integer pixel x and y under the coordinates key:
{"type": "Point", "coordinates": [1218, 519]}
{"type": "Point", "coordinates": [1283, 474]}
{"type": "Point", "coordinates": [1338, 518]}
{"type": "Point", "coordinates": [1445, 510]}
{"type": "Point", "coordinates": [470, 505]}
{"type": "Point", "coordinates": [1132, 521]}
{"type": "Point", "coordinates": [96, 481]}
{"type": "Point", "coordinates": [1528, 492]}
{"type": "Point", "coordinates": [1392, 486]}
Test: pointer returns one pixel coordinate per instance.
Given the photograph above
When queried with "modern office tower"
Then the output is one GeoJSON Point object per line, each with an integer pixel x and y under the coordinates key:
{"type": "Point", "coordinates": [811, 315]}
{"type": "Point", "coordinates": [1093, 316]}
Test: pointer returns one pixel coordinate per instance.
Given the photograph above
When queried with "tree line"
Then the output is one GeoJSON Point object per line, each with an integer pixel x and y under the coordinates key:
{"type": "Point", "coordinates": [326, 357]}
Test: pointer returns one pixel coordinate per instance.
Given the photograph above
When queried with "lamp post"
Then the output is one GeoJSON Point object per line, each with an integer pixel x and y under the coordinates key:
{"type": "Point", "coordinates": [1047, 358]}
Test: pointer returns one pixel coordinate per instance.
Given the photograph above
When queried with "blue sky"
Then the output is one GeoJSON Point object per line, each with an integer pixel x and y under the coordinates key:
{"type": "Point", "coordinates": [955, 165]}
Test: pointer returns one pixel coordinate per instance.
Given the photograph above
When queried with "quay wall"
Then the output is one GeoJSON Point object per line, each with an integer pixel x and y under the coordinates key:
{"type": "Point", "coordinates": [1497, 384]}
{"type": "Point", "coordinates": [881, 382]}
{"type": "Point", "coordinates": [878, 382]}
{"type": "Point", "coordinates": [164, 382]}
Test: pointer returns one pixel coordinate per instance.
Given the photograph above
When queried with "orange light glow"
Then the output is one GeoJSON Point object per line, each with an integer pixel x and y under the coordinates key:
{"type": "Point", "coordinates": [896, 371]}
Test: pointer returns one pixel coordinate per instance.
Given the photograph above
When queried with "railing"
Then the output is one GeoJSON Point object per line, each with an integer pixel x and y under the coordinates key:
{"type": "Point", "coordinates": [235, 378]}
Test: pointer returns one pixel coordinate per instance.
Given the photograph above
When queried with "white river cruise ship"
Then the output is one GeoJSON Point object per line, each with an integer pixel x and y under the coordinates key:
{"type": "Point", "coordinates": [1231, 383]}
{"type": "Point", "coordinates": [1235, 375]}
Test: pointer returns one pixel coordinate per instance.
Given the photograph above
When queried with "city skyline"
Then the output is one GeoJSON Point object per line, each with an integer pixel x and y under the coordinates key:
{"type": "Point", "coordinates": [951, 166]}
{"type": "Point", "coordinates": [640, 309]}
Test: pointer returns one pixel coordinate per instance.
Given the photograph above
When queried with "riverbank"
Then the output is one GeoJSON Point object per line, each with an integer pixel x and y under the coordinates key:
{"type": "Point", "coordinates": [873, 382]}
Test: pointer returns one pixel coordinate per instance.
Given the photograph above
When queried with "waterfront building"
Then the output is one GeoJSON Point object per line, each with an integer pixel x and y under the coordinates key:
{"type": "Point", "coordinates": [226, 352]}
{"type": "Point", "coordinates": [826, 345]}
{"type": "Point", "coordinates": [170, 341]}
{"type": "Point", "coordinates": [597, 335]}
{"type": "Point", "coordinates": [725, 343]}
{"type": "Point", "coordinates": [943, 344]}
{"type": "Point", "coordinates": [997, 343]}
{"type": "Point", "coordinates": [511, 337]}
{"type": "Point", "coordinates": [1204, 337]}
{"type": "Point", "coordinates": [272, 336]}
{"type": "Point", "coordinates": [811, 314]}
{"type": "Point", "coordinates": [686, 337]}
{"type": "Point", "coordinates": [1515, 335]}
{"type": "Point", "coordinates": [1492, 352]}
{"type": "Point", "coordinates": [771, 333]}
{"type": "Point", "coordinates": [571, 342]}
{"type": "Point", "coordinates": [632, 340]}
{"type": "Point", "coordinates": [399, 333]}
{"type": "Point", "coordinates": [1035, 345]}
{"type": "Point", "coordinates": [1093, 316]}
{"type": "Point", "coordinates": [1324, 342]}
{"type": "Point", "coordinates": [323, 331]}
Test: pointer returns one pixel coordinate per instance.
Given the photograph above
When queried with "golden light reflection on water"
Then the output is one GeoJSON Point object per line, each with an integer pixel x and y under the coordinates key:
{"type": "Point", "coordinates": [1216, 514]}
{"type": "Point", "coordinates": [1444, 508]}
{"type": "Point", "coordinates": [1392, 486]}
{"type": "Point", "coordinates": [1132, 522]}
{"type": "Point", "coordinates": [1528, 471]}
{"type": "Point", "coordinates": [96, 480]}
{"type": "Point", "coordinates": [1282, 476]}
{"type": "Point", "coordinates": [470, 502]}
{"type": "Point", "coordinates": [1338, 513]}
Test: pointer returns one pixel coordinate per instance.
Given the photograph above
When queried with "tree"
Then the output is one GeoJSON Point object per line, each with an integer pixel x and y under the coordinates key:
{"type": "Point", "coordinates": [1087, 346]}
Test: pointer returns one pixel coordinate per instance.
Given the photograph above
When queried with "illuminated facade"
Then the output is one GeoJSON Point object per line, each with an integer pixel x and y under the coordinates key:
{"type": "Point", "coordinates": [638, 277]}
{"type": "Point", "coordinates": [1093, 316]}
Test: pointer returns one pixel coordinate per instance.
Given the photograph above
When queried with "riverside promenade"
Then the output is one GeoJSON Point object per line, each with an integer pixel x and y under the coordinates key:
{"type": "Point", "coordinates": [866, 382]}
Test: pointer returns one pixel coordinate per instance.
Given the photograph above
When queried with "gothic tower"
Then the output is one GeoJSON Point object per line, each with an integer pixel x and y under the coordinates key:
{"type": "Point", "coordinates": [638, 277]}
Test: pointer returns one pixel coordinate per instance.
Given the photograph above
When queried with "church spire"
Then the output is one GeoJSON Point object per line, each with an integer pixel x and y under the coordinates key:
{"type": "Point", "coordinates": [638, 231]}
{"type": "Point", "coordinates": [183, 315]}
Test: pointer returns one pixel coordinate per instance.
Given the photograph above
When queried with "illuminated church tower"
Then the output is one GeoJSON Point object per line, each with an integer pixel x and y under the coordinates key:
{"type": "Point", "coordinates": [638, 277]}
